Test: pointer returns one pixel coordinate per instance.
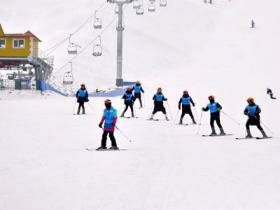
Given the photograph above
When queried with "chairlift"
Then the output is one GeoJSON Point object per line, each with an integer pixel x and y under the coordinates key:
{"type": "Point", "coordinates": [152, 6]}
{"type": "Point", "coordinates": [136, 4]}
{"type": "Point", "coordinates": [72, 47]}
{"type": "Point", "coordinates": [140, 11]}
{"type": "Point", "coordinates": [163, 3]}
{"type": "Point", "coordinates": [97, 21]}
{"type": "Point", "coordinates": [97, 49]}
{"type": "Point", "coordinates": [68, 78]}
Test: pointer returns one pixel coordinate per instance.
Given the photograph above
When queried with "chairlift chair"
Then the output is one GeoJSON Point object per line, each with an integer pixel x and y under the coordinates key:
{"type": "Point", "coordinates": [152, 6]}
{"type": "Point", "coordinates": [163, 3]}
{"type": "Point", "coordinates": [140, 11]}
{"type": "Point", "coordinates": [68, 78]}
{"type": "Point", "coordinates": [97, 21]}
{"type": "Point", "coordinates": [72, 49]}
{"type": "Point", "coordinates": [97, 49]}
{"type": "Point", "coordinates": [136, 4]}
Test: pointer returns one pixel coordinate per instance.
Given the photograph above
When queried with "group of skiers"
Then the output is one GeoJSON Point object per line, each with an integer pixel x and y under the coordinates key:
{"type": "Point", "coordinates": [109, 117]}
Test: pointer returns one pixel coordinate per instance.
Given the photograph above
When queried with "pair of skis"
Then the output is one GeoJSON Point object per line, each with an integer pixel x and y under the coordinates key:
{"type": "Point", "coordinates": [102, 150]}
{"type": "Point", "coordinates": [238, 138]}
{"type": "Point", "coordinates": [259, 138]}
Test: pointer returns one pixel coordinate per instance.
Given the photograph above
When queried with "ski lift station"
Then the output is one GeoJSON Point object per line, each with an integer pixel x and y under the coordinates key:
{"type": "Point", "coordinates": [20, 51]}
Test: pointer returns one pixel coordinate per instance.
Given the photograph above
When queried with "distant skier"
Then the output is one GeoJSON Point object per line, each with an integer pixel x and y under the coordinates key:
{"type": "Point", "coordinates": [214, 108]}
{"type": "Point", "coordinates": [82, 97]}
{"type": "Point", "coordinates": [110, 119]}
{"type": "Point", "coordinates": [186, 102]}
{"type": "Point", "coordinates": [137, 88]}
{"type": "Point", "coordinates": [253, 112]}
{"type": "Point", "coordinates": [128, 101]}
{"type": "Point", "coordinates": [252, 24]}
{"type": "Point", "coordinates": [270, 93]}
{"type": "Point", "coordinates": [158, 104]}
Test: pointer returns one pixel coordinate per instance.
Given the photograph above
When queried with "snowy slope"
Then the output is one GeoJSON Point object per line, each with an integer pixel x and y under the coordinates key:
{"type": "Point", "coordinates": [207, 49]}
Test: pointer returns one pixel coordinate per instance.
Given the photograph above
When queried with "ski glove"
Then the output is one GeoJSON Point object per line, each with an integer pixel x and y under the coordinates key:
{"type": "Point", "coordinates": [100, 125]}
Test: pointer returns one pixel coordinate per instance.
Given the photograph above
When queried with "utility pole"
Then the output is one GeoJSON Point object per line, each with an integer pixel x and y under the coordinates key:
{"type": "Point", "coordinates": [120, 28]}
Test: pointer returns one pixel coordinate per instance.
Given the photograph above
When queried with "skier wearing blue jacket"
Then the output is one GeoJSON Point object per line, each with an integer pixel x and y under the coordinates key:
{"type": "Point", "coordinates": [253, 111]}
{"type": "Point", "coordinates": [128, 101]}
{"type": "Point", "coordinates": [82, 97]}
{"type": "Point", "coordinates": [137, 88]}
{"type": "Point", "coordinates": [186, 102]}
{"type": "Point", "coordinates": [159, 98]}
{"type": "Point", "coordinates": [215, 109]}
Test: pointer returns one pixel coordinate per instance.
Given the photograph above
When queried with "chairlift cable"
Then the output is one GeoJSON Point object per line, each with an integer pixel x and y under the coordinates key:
{"type": "Point", "coordinates": [87, 45]}
{"type": "Point", "coordinates": [54, 47]}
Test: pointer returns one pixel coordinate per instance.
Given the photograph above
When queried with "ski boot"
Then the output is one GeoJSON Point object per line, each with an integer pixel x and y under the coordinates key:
{"type": "Point", "coordinates": [264, 134]}
{"type": "Point", "coordinates": [222, 132]}
{"type": "Point", "coordinates": [83, 112]}
{"type": "Point", "coordinates": [79, 109]}
{"type": "Point", "coordinates": [113, 148]}
{"type": "Point", "coordinates": [181, 121]}
{"type": "Point", "coordinates": [166, 118]}
{"type": "Point", "coordinates": [132, 114]}
{"type": "Point", "coordinates": [249, 135]}
{"type": "Point", "coordinates": [152, 117]}
{"type": "Point", "coordinates": [101, 148]}
{"type": "Point", "coordinates": [213, 132]}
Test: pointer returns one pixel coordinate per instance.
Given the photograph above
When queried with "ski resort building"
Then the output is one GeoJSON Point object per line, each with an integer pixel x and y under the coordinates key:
{"type": "Point", "coordinates": [20, 51]}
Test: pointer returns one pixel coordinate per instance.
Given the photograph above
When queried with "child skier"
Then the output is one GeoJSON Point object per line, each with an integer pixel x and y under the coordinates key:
{"type": "Point", "coordinates": [253, 112]}
{"type": "Point", "coordinates": [270, 93]}
{"type": "Point", "coordinates": [82, 97]}
{"type": "Point", "coordinates": [137, 88]}
{"type": "Point", "coordinates": [110, 119]}
{"type": "Point", "coordinates": [158, 104]}
{"type": "Point", "coordinates": [186, 102]}
{"type": "Point", "coordinates": [128, 101]}
{"type": "Point", "coordinates": [214, 108]}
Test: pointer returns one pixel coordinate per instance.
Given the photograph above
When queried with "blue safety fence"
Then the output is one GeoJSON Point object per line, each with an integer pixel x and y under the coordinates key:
{"type": "Point", "coordinates": [44, 86]}
{"type": "Point", "coordinates": [109, 93]}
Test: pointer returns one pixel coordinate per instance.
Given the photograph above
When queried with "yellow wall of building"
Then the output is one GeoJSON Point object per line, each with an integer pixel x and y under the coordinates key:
{"type": "Point", "coordinates": [9, 51]}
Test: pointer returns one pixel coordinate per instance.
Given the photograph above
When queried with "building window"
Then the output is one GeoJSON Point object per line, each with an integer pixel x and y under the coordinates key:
{"type": "Point", "coordinates": [18, 43]}
{"type": "Point", "coordinates": [2, 43]}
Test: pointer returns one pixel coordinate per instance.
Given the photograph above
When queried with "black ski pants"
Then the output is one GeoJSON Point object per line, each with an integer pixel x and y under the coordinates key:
{"type": "Point", "coordinates": [215, 117]}
{"type": "Point", "coordinates": [138, 95]}
{"type": "Point", "coordinates": [104, 138]}
{"type": "Point", "coordinates": [186, 109]}
{"type": "Point", "coordinates": [255, 122]}
{"type": "Point", "coordinates": [130, 105]}
{"type": "Point", "coordinates": [81, 105]}
{"type": "Point", "coordinates": [159, 108]}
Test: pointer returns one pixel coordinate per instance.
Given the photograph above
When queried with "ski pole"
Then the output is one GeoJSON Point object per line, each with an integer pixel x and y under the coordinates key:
{"type": "Point", "coordinates": [232, 119]}
{"type": "Point", "coordinates": [198, 126]}
{"type": "Point", "coordinates": [169, 110]}
{"type": "Point", "coordinates": [267, 127]}
{"type": "Point", "coordinates": [124, 135]}
{"type": "Point", "coordinates": [176, 116]}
